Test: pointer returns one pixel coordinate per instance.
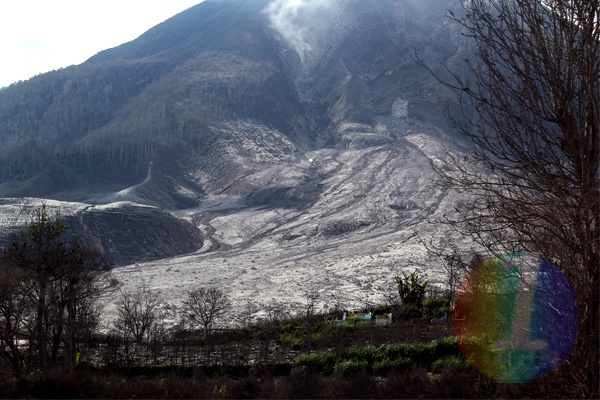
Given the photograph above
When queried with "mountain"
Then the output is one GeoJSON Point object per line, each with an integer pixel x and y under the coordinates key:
{"type": "Point", "coordinates": [225, 88]}
{"type": "Point", "coordinates": [271, 135]}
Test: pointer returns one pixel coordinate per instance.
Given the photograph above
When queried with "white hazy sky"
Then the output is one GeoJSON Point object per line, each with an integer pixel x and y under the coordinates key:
{"type": "Point", "coordinates": [38, 36]}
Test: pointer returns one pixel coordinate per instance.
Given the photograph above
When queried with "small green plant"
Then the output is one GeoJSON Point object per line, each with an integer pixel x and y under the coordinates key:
{"type": "Point", "coordinates": [385, 365]}
{"type": "Point", "coordinates": [351, 366]}
{"type": "Point", "coordinates": [448, 345]}
{"type": "Point", "coordinates": [411, 288]}
{"type": "Point", "coordinates": [323, 363]}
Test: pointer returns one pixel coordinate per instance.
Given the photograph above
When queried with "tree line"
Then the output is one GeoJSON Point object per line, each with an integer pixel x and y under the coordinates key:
{"type": "Point", "coordinates": [107, 121]}
{"type": "Point", "coordinates": [51, 294]}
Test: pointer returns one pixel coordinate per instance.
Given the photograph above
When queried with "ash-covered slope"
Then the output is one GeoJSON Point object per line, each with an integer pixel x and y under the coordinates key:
{"type": "Point", "coordinates": [332, 227]}
{"type": "Point", "coordinates": [292, 144]}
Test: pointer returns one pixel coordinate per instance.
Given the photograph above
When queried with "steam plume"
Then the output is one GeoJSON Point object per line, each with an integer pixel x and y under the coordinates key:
{"type": "Point", "coordinates": [302, 23]}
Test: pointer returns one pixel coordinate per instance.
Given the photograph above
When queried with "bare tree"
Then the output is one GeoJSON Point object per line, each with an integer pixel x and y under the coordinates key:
{"type": "Point", "coordinates": [392, 298]}
{"type": "Point", "coordinates": [532, 109]}
{"type": "Point", "coordinates": [138, 313]}
{"type": "Point", "coordinates": [247, 315]}
{"type": "Point", "coordinates": [206, 305]}
{"type": "Point", "coordinates": [310, 300]}
{"type": "Point", "coordinates": [276, 311]}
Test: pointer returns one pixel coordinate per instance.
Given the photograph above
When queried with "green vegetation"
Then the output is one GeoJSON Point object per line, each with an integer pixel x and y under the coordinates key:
{"type": "Point", "coordinates": [412, 288]}
{"type": "Point", "coordinates": [437, 306]}
{"type": "Point", "coordinates": [380, 360]}
{"type": "Point", "coordinates": [296, 358]}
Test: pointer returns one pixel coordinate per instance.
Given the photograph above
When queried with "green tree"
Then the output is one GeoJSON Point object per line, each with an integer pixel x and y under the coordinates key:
{"type": "Point", "coordinates": [50, 292]}
{"type": "Point", "coordinates": [411, 288]}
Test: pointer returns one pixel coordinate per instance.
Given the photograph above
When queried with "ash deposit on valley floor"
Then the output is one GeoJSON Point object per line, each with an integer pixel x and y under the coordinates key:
{"type": "Point", "coordinates": [271, 151]}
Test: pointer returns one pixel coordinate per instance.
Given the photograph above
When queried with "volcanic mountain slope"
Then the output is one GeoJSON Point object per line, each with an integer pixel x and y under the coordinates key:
{"type": "Point", "coordinates": [221, 91]}
{"type": "Point", "coordinates": [292, 144]}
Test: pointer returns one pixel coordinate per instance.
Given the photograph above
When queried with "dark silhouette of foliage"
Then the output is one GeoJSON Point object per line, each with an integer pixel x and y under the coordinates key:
{"type": "Point", "coordinates": [49, 293]}
{"type": "Point", "coordinates": [531, 102]}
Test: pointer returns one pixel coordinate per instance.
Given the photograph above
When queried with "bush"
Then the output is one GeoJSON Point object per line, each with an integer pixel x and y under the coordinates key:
{"type": "Point", "coordinates": [457, 362]}
{"type": "Point", "coordinates": [437, 306]}
{"type": "Point", "coordinates": [382, 310]}
{"type": "Point", "coordinates": [447, 346]}
{"type": "Point", "coordinates": [408, 311]}
{"type": "Point", "coordinates": [351, 366]}
{"type": "Point", "coordinates": [379, 360]}
{"type": "Point", "coordinates": [384, 366]}
{"type": "Point", "coordinates": [320, 363]}
{"type": "Point", "coordinates": [292, 341]}
{"type": "Point", "coordinates": [361, 353]}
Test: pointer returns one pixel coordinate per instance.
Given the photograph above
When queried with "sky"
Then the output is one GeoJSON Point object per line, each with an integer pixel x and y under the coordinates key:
{"type": "Point", "coordinates": [38, 36]}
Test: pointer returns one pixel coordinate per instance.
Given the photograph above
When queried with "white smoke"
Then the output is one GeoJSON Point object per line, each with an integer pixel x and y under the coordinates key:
{"type": "Point", "coordinates": [303, 23]}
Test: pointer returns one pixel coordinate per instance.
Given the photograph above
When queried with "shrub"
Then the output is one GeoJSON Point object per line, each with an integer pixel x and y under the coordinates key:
{"type": "Point", "coordinates": [292, 341]}
{"type": "Point", "coordinates": [383, 310]}
{"type": "Point", "coordinates": [380, 360]}
{"type": "Point", "coordinates": [321, 363]}
{"type": "Point", "coordinates": [351, 366]}
{"type": "Point", "coordinates": [457, 362]}
{"type": "Point", "coordinates": [361, 353]}
{"type": "Point", "coordinates": [437, 306]}
{"type": "Point", "coordinates": [384, 366]}
{"type": "Point", "coordinates": [447, 346]}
